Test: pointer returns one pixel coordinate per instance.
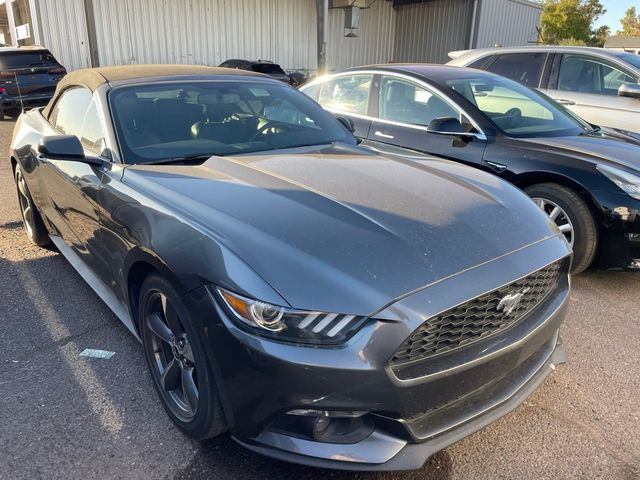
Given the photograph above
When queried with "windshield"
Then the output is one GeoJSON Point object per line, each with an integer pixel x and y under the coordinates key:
{"type": "Point", "coordinates": [166, 120]}
{"type": "Point", "coordinates": [631, 58]}
{"type": "Point", "coordinates": [515, 109]}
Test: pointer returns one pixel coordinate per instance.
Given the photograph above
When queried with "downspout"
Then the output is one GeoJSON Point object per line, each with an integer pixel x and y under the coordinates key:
{"type": "Point", "coordinates": [322, 14]}
{"type": "Point", "coordinates": [90, 21]}
{"type": "Point", "coordinates": [474, 21]}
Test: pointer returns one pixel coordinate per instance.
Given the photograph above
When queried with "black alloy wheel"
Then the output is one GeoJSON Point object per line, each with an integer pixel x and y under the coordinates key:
{"type": "Point", "coordinates": [31, 219]}
{"type": "Point", "coordinates": [177, 361]}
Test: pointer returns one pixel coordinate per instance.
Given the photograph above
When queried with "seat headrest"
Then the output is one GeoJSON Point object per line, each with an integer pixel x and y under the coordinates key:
{"type": "Point", "coordinates": [209, 98]}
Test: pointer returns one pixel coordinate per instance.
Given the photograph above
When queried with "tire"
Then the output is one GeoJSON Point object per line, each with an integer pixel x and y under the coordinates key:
{"type": "Point", "coordinates": [13, 113]}
{"type": "Point", "coordinates": [580, 217]}
{"type": "Point", "coordinates": [31, 218]}
{"type": "Point", "coordinates": [173, 347]}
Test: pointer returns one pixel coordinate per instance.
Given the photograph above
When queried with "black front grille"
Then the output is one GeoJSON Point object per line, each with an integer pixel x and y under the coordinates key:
{"type": "Point", "coordinates": [479, 318]}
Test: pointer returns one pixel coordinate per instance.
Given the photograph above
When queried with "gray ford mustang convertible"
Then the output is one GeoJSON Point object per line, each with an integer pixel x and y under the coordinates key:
{"type": "Point", "coordinates": [322, 302]}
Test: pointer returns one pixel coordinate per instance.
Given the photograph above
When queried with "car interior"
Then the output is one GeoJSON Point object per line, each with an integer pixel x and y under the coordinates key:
{"type": "Point", "coordinates": [184, 120]}
{"type": "Point", "coordinates": [405, 103]}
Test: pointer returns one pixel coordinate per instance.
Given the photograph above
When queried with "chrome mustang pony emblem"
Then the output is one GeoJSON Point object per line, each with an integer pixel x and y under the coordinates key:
{"type": "Point", "coordinates": [510, 302]}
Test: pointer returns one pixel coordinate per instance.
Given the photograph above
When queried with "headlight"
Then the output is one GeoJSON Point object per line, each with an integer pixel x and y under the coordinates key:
{"type": "Point", "coordinates": [628, 182]}
{"type": "Point", "coordinates": [290, 325]}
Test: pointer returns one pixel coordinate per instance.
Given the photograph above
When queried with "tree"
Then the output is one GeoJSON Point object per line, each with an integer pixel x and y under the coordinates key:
{"type": "Point", "coordinates": [630, 23]}
{"type": "Point", "coordinates": [562, 20]}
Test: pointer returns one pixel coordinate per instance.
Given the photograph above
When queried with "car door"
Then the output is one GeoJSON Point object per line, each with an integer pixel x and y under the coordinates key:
{"type": "Point", "coordinates": [347, 96]}
{"type": "Point", "coordinates": [589, 87]}
{"type": "Point", "coordinates": [404, 111]}
{"type": "Point", "coordinates": [73, 186]}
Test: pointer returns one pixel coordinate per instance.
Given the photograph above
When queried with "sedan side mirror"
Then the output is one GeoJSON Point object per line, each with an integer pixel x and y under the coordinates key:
{"type": "Point", "coordinates": [448, 126]}
{"type": "Point", "coordinates": [347, 122]}
{"type": "Point", "coordinates": [629, 90]}
{"type": "Point", "coordinates": [65, 147]}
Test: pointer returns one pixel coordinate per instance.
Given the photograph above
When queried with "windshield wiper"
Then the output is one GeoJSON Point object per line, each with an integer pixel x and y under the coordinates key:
{"type": "Point", "coordinates": [195, 158]}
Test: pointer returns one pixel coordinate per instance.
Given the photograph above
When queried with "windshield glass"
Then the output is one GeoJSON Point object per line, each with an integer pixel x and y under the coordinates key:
{"type": "Point", "coordinates": [631, 58]}
{"type": "Point", "coordinates": [515, 109]}
{"type": "Point", "coordinates": [166, 120]}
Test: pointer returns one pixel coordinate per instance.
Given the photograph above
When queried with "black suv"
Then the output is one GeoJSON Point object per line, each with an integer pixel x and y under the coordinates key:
{"type": "Point", "coordinates": [28, 78]}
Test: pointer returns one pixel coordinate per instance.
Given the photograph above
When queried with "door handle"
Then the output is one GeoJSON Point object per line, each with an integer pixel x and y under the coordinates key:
{"type": "Point", "coordinates": [378, 133]}
{"type": "Point", "coordinates": [496, 167]}
{"type": "Point", "coordinates": [565, 101]}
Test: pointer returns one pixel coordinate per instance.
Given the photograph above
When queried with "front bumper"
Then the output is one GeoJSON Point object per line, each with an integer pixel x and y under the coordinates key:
{"type": "Point", "coordinates": [619, 232]}
{"type": "Point", "coordinates": [11, 102]}
{"type": "Point", "coordinates": [261, 380]}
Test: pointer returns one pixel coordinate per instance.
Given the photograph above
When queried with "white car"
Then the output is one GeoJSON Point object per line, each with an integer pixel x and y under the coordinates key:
{"type": "Point", "coordinates": [599, 85]}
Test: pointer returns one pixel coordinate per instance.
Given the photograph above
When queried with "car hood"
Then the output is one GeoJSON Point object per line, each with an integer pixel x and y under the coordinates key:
{"type": "Point", "coordinates": [604, 146]}
{"type": "Point", "coordinates": [344, 229]}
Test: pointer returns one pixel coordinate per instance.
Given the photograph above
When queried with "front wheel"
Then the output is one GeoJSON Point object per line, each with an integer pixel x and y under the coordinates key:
{"type": "Point", "coordinates": [178, 361]}
{"type": "Point", "coordinates": [31, 219]}
{"type": "Point", "coordinates": [573, 218]}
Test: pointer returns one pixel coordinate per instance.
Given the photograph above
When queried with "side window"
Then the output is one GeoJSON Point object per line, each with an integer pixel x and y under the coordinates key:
{"type": "Point", "coordinates": [312, 91]}
{"type": "Point", "coordinates": [404, 102]}
{"type": "Point", "coordinates": [69, 111]}
{"type": "Point", "coordinates": [349, 93]}
{"type": "Point", "coordinates": [92, 136]}
{"type": "Point", "coordinates": [587, 75]}
{"type": "Point", "coordinates": [525, 68]}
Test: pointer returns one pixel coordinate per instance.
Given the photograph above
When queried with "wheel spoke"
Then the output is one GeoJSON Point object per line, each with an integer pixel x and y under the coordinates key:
{"type": "Point", "coordinates": [566, 228]}
{"type": "Point", "coordinates": [189, 388]}
{"type": "Point", "coordinates": [171, 375]}
{"type": "Point", "coordinates": [171, 316]}
{"type": "Point", "coordinates": [555, 213]}
{"type": "Point", "coordinates": [22, 187]}
{"type": "Point", "coordinates": [159, 328]}
{"type": "Point", "coordinates": [27, 213]}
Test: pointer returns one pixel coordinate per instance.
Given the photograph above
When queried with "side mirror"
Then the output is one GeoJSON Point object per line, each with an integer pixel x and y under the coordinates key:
{"type": "Point", "coordinates": [448, 126]}
{"type": "Point", "coordinates": [348, 123]}
{"type": "Point", "coordinates": [65, 147]}
{"type": "Point", "coordinates": [629, 90]}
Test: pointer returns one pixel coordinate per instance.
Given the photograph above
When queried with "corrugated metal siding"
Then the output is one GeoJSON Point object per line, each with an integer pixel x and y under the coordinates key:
{"type": "Point", "coordinates": [374, 43]}
{"type": "Point", "coordinates": [426, 32]}
{"type": "Point", "coordinates": [206, 31]}
{"type": "Point", "coordinates": [64, 32]}
{"type": "Point", "coordinates": [507, 22]}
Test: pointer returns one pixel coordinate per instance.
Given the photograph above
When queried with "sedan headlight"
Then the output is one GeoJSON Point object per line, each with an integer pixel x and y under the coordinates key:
{"type": "Point", "coordinates": [286, 324]}
{"type": "Point", "coordinates": [628, 182]}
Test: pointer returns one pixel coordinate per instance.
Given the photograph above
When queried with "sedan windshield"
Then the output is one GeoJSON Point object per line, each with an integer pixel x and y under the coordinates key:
{"type": "Point", "coordinates": [162, 121]}
{"type": "Point", "coordinates": [515, 109]}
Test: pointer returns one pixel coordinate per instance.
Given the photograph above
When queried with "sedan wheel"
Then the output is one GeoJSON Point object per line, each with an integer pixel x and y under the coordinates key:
{"type": "Point", "coordinates": [33, 225]}
{"type": "Point", "coordinates": [173, 356]}
{"type": "Point", "coordinates": [573, 217]}
{"type": "Point", "coordinates": [558, 216]}
{"type": "Point", "coordinates": [178, 360]}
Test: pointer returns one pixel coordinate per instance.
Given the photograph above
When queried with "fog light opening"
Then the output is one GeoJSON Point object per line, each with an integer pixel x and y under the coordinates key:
{"type": "Point", "coordinates": [349, 426]}
{"type": "Point", "coordinates": [321, 425]}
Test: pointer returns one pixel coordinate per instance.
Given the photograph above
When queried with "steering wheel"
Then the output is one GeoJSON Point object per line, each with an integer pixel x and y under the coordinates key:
{"type": "Point", "coordinates": [270, 125]}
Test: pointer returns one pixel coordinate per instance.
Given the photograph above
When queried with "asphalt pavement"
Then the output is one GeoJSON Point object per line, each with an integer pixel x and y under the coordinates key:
{"type": "Point", "coordinates": [69, 417]}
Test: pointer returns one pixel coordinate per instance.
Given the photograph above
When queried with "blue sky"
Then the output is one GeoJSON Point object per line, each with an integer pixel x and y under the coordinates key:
{"type": "Point", "coordinates": [615, 11]}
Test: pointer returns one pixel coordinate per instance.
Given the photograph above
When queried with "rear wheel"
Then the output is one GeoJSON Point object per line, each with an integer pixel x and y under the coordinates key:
{"type": "Point", "coordinates": [573, 218]}
{"type": "Point", "coordinates": [178, 361]}
{"type": "Point", "coordinates": [31, 219]}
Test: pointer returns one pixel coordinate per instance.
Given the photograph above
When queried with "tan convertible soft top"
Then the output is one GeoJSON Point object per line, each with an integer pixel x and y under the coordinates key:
{"type": "Point", "coordinates": [92, 78]}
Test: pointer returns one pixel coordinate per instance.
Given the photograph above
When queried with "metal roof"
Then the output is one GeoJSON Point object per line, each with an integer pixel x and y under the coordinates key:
{"type": "Point", "coordinates": [622, 41]}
